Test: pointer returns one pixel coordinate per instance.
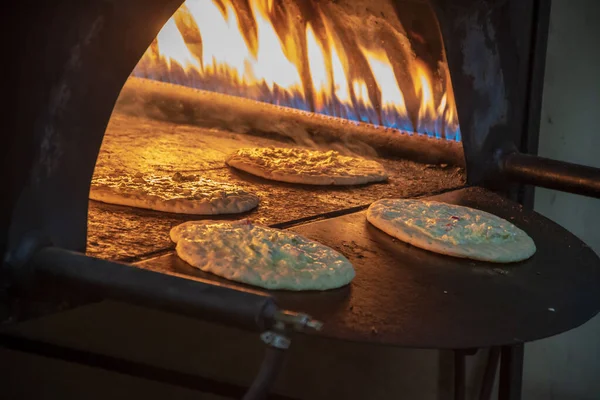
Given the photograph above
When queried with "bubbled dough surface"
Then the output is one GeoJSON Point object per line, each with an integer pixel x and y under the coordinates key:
{"type": "Point", "coordinates": [261, 256]}
{"type": "Point", "coordinates": [312, 167]}
{"type": "Point", "coordinates": [177, 194]}
{"type": "Point", "coordinates": [452, 230]}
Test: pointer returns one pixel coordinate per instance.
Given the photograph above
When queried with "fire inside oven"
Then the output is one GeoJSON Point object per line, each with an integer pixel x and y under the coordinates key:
{"type": "Point", "coordinates": [352, 77]}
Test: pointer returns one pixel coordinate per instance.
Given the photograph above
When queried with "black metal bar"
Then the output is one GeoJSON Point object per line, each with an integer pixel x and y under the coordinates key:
{"type": "Point", "coordinates": [551, 174]}
{"type": "Point", "coordinates": [195, 298]}
{"type": "Point", "coordinates": [537, 68]}
{"type": "Point", "coordinates": [267, 374]}
{"type": "Point", "coordinates": [126, 367]}
{"type": "Point", "coordinates": [531, 132]}
{"type": "Point", "coordinates": [489, 375]}
{"type": "Point", "coordinates": [459, 375]}
{"type": "Point", "coordinates": [511, 372]}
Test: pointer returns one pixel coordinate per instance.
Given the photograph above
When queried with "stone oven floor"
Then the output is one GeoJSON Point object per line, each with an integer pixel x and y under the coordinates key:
{"type": "Point", "coordinates": [137, 144]}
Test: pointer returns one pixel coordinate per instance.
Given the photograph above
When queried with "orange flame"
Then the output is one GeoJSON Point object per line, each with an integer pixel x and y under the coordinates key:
{"type": "Point", "coordinates": [259, 49]}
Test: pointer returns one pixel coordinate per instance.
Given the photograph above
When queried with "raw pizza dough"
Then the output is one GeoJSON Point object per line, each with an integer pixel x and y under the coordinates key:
{"type": "Point", "coordinates": [312, 167]}
{"type": "Point", "coordinates": [269, 258]}
{"type": "Point", "coordinates": [452, 230]}
{"type": "Point", "coordinates": [176, 194]}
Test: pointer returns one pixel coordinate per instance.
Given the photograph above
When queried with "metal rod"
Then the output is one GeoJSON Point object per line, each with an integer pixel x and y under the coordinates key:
{"type": "Point", "coordinates": [511, 372]}
{"type": "Point", "coordinates": [489, 375]}
{"type": "Point", "coordinates": [551, 174]}
{"type": "Point", "coordinates": [267, 374]}
{"type": "Point", "coordinates": [195, 298]}
{"type": "Point", "coordinates": [459, 375]}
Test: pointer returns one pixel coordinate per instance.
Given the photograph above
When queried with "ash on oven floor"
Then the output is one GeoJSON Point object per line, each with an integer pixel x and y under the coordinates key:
{"type": "Point", "coordinates": [138, 144]}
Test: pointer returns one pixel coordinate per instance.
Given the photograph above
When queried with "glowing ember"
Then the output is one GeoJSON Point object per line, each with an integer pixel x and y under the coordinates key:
{"type": "Point", "coordinates": [281, 53]}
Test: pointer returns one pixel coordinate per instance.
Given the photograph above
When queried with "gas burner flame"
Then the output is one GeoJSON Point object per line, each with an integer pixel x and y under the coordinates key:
{"type": "Point", "coordinates": [305, 55]}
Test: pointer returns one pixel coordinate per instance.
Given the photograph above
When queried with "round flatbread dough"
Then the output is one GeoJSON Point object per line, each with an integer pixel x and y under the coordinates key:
{"type": "Point", "coordinates": [269, 258]}
{"type": "Point", "coordinates": [452, 230]}
{"type": "Point", "coordinates": [176, 194]}
{"type": "Point", "coordinates": [305, 166]}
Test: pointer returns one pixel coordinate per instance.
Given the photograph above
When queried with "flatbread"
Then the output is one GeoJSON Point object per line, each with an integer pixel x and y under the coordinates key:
{"type": "Point", "coordinates": [176, 194]}
{"type": "Point", "coordinates": [311, 167]}
{"type": "Point", "coordinates": [260, 256]}
{"type": "Point", "coordinates": [452, 230]}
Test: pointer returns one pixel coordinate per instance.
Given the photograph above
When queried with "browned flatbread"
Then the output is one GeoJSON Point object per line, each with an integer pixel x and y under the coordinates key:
{"type": "Point", "coordinates": [311, 167]}
{"type": "Point", "coordinates": [176, 194]}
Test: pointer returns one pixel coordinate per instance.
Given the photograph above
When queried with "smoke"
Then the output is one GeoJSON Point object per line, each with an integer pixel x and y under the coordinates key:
{"type": "Point", "coordinates": [300, 135]}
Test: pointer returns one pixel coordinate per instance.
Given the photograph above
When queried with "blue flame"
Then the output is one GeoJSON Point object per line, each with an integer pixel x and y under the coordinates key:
{"type": "Point", "coordinates": [389, 118]}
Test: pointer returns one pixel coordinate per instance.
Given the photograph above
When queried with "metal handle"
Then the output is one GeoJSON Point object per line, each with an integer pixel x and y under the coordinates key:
{"type": "Point", "coordinates": [551, 174]}
{"type": "Point", "coordinates": [204, 300]}
{"type": "Point", "coordinates": [191, 297]}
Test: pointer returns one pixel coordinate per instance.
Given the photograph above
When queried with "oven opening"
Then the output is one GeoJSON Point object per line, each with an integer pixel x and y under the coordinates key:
{"type": "Point", "coordinates": [365, 80]}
